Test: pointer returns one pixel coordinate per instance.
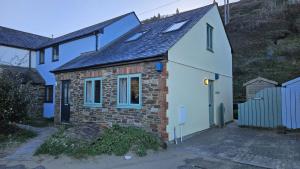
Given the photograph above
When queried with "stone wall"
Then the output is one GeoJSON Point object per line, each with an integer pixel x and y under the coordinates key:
{"type": "Point", "coordinates": [36, 108]}
{"type": "Point", "coordinates": [152, 115]}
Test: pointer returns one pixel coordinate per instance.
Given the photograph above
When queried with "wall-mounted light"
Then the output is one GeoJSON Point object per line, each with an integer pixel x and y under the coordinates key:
{"type": "Point", "coordinates": [205, 82]}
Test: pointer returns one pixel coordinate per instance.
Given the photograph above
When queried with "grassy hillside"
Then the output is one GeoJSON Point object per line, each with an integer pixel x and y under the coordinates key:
{"type": "Point", "coordinates": [265, 35]}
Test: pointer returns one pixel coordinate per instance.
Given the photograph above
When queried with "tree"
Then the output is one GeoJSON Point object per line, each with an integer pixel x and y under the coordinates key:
{"type": "Point", "coordinates": [177, 11]}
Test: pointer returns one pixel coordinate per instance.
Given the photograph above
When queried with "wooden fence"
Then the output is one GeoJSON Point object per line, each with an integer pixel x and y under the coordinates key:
{"type": "Point", "coordinates": [272, 107]}
{"type": "Point", "coordinates": [264, 110]}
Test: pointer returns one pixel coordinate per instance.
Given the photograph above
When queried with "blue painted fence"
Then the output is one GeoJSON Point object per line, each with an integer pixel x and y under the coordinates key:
{"type": "Point", "coordinates": [264, 110]}
{"type": "Point", "coordinates": [272, 107]}
{"type": "Point", "coordinates": [291, 107]}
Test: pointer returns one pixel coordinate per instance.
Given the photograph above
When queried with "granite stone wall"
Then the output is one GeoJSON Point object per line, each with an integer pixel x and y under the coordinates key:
{"type": "Point", "coordinates": [152, 115]}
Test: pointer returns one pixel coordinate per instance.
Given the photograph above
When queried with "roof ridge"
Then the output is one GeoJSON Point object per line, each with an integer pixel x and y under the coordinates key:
{"type": "Point", "coordinates": [83, 31]}
{"type": "Point", "coordinates": [174, 15]}
{"type": "Point", "coordinates": [3, 27]}
{"type": "Point", "coordinates": [117, 17]}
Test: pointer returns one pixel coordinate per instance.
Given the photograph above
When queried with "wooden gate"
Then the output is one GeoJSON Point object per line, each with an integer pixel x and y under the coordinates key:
{"type": "Point", "coordinates": [264, 110]}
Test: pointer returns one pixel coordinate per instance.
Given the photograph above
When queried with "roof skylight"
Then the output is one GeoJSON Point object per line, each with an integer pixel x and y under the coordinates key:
{"type": "Point", "coordinates": [175, 26]}
{"type": "Point", "coordinates": [136, 36]}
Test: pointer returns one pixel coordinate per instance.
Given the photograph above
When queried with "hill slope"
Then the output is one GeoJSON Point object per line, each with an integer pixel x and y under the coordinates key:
{"type": "Point", "coordinates": [265, 36]}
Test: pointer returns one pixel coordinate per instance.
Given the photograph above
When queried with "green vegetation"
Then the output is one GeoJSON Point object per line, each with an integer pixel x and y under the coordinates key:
{"type": "Point", "coordinates": [265, 36]}
{"type": "Point", "coordinates": [116, 140]}
{"type": "Point", "coordinates": [16, 98]}
{"type": "Point", "coordinates": [13, 135]}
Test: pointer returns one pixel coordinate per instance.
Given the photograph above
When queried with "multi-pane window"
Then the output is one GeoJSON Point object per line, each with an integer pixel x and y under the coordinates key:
{"type": "Point", "coordinates": [209, 37]}
{"type": "Point", "coordinates": [55, 53]}
{"type": "Point", "coordinates": [49, 94]}
{"type": "Point", "coordinates": [129, 91]}
{"type": "Point", "coordinates": [42, 56]}
{"type": "Point", "coordinates": [93, 92]}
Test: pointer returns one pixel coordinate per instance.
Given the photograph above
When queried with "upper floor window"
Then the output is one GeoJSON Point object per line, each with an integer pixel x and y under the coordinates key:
{"type": "Point", "coordinates": [55, 53]}
{"type": "Point", "coordinates": [42, 56]}
{"type": "Point", "coordinates": [93, 92]}
{"type": "Point", "coordinates": [49, 94]}
{"type": "Point", "coordinates": [129, 91]}
{"type": "Point", "coordinates": [175, 26]}
{"type": "Point", "coordinates": [209, 38]}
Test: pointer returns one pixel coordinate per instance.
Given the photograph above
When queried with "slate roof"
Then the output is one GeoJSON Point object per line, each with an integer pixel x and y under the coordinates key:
{"type": "Point", "coordinates": [83, 32]}
{"type": "Point", "coordinates": [15, 38]}
{"type": "Point", "coordinates": [27, 74]}
{"type": "Point", "coordinates": [151, 44]}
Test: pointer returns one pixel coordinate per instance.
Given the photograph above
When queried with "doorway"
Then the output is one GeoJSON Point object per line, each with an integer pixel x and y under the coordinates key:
{"type": "Point", "coordinates": [211, 102]}
{"type": "Point", "coordinates": [65, 101]}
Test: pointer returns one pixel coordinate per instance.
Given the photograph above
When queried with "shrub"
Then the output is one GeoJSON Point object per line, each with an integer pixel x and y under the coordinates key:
{"type": "Point", "coordinates": [116, 140]}
{"type": "Point", "coordinates": [15, 98]}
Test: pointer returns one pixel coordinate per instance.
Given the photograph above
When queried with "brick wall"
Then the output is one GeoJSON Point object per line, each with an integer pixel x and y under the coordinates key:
{"type": "Point", "coordinates": [152, 115]}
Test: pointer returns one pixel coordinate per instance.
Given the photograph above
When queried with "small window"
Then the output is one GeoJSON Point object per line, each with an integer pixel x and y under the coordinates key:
{"type": "Point", "coordinates": [93, 92]}
{"type": "Point", "coordinates": [49, 94]}
{"type": "Point", "coordinates": [135, 36]}
{"type": "Point", "coordinates": [55, 53]}
{"type": "Point", "coordinates": [42, 56]}
{"type": "Point", "coordinates": [175, 26]}
{"type": "Point", "coordinates": [210, 37]}
{"type": "Point", "coordinates": [129, 91]}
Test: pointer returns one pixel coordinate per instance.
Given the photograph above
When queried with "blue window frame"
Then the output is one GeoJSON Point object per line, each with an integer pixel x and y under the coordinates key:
{"type": "Point", "coordinates": [129, 91]}
{"type": "Point", "coordinates": [93, 92]}
{"type": "Point", "coordinates": [209, 38]}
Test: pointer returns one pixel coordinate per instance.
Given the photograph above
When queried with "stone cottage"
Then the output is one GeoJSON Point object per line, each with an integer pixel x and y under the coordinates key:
{"type": "Point", "coordinates": [162, 75]}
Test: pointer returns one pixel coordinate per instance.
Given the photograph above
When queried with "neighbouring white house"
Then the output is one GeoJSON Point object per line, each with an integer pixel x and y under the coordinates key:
{"type": "Point", "coordinates": [18, 48]}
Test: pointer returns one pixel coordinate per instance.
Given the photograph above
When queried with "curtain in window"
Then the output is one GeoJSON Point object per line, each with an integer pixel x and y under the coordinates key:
{"type": "Point", "coordinates": [88, 98]}
{"type": "Point", "coordinates": [122, 90]}
{"type": "Point", "coordinates": [97, 91]}
{"type": "Point", "coordinates": [134, 90]}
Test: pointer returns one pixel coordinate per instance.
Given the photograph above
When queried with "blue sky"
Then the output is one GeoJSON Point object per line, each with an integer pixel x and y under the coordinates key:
{"type": "Point", "coordinates": [58, 17]}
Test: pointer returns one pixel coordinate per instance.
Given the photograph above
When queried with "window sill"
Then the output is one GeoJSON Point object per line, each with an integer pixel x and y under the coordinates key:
{"type": "Point", "coordinates": [93, 105]}
{"type": "Point", "coordinates": [55, 60]}
{"type": "Point", "coordinates": [129, 107]}
{"type": "Point", "coordinates": [210, 50]}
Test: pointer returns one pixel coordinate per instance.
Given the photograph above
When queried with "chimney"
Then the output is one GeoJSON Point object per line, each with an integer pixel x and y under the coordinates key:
{"type": "Point", "coordinates": [226, 12]}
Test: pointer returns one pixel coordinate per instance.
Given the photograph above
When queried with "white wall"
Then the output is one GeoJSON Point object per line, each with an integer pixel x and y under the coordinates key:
{"type": "Point", "coordinates": [189, 64]}
{"type": "Point", "coordinates": [16, 56]}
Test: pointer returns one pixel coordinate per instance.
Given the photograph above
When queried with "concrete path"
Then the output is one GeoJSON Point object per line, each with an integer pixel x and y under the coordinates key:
{"type": "Point", "coordinates": [25, 151]}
